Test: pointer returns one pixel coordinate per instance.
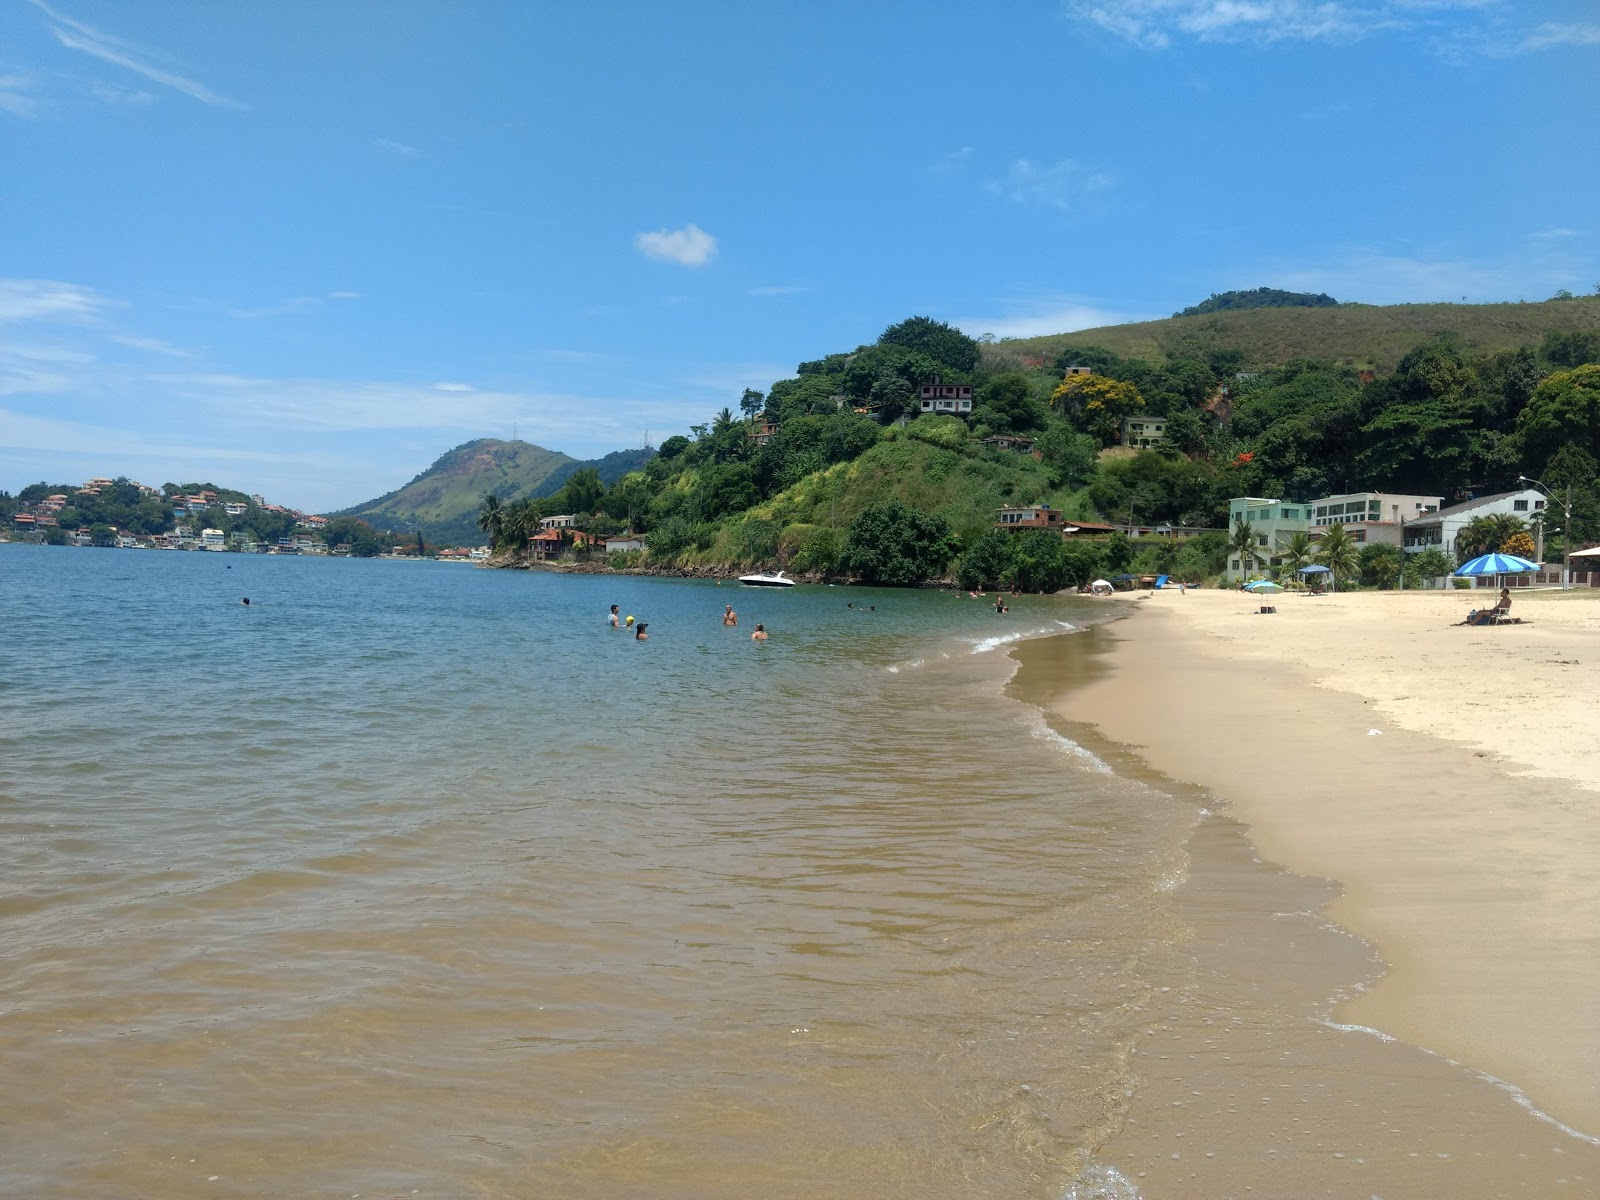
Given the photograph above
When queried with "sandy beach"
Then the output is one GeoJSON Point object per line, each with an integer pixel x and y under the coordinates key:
{"type": "Point", "coordinates": [1444, 776]}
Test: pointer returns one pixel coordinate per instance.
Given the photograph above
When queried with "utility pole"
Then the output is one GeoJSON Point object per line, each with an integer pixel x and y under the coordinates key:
{"type": "Point", "coordinates": [1566, 531]}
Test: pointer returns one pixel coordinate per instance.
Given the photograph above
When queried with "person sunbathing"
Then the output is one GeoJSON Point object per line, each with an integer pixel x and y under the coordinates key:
{"type": "Point", "coordinates": [1488, 616]}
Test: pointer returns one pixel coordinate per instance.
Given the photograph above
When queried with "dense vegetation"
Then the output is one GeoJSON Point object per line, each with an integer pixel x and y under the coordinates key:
{"type": "Point", "coordinates": [831, 473]}
{"type": "Point", "coordinates": [1258, 298]}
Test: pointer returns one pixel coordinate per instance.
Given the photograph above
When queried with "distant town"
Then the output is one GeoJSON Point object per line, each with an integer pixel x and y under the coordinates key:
{"type": "Point", "coordinates": [128, 515]}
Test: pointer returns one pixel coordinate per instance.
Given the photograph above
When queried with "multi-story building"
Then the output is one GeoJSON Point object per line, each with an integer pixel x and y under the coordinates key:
{"type": "Point", "coordinates": [1032, 516]}
{"type": "Point", "coordinates": [1272, 523]}
{"type": "Point", "coordinates": [1438, 530]}
{"type": "Point", "coordinates": [1142, 432]}
{"type": "Point", "coordinates": [1371, 516]}
{"type": "Point", "coordinates": [937, 396]}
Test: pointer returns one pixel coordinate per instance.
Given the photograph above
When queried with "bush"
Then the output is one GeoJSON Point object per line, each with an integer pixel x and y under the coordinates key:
{"type": "Point", "coordinates": [893, 545]}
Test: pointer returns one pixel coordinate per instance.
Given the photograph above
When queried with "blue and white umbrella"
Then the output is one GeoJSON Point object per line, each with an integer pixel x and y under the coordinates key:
{"type": "Point", "coordinates": [1496, 564]}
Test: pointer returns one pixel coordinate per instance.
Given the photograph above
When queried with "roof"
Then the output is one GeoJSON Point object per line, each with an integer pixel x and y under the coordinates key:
{"type": "Point", "coordinates": [1466, 506]}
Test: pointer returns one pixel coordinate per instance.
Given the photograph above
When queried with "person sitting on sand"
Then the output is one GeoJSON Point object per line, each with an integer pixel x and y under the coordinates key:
{"type": "Point", "coordinates": [729, 617]}
{"type": "Point", "coordinates": [1486, 616]}
{"type": "Point", "coordinates": [639, 634]}
{"type": "Point", "coordinates": [760, 635]}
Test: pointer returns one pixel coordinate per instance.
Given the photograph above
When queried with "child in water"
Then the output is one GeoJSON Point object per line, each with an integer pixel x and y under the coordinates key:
{"type": "Point", "coordinates": [760, 635]}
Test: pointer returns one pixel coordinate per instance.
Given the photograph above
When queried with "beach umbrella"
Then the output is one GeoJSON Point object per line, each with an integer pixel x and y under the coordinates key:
{"type": "Point", "coordinates": [1315, 569]}
{"type": "Point", "coordinates": [1263, 587]}
{"type": "Point", "coordinates": [1496, 564]}
{"type": "Point", "coordinates": [1101, 583]}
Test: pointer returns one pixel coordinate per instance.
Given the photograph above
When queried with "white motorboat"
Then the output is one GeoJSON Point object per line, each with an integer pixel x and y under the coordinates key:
{"type": "Point", "coordinates": [766, 579]}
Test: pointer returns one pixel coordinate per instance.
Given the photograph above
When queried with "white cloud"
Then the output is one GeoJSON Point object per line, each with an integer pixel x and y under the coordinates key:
{"type": "Point", "coordinates": [1156, 24]}
{"type": "Point", "coordinates": [1062, 185]}
{"type": "Point", "coordinates": [47, 299]}
{"type": "Point", "coordinates": [1553, 35]}
{"type": "Point", "coordinates": [290, 306]}
{"type": "Point", "coordinates": [398, 149]}
{"type": "Point", "coordinates": [14, 97]}
{"type": "Point", "coordinates": [453, 387]}
{"type": "Point", "coordinates": [690, 246]}
{"type": "Point", "coordinates": [75, 35]}
{"type": "Point", "coordinates": [1022, 319]}
{"type": "Point", "coordinates": [779, 290]}
{"type": "Point", "coordinates": [153, 345]}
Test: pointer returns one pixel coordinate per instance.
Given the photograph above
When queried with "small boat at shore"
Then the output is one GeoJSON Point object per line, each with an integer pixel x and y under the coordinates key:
{"type": "Point", "coordinates": [766, 579]}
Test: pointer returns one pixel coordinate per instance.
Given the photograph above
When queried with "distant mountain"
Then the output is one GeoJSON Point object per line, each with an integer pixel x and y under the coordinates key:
{"type": "Point", "coordinates": [443, 501]}
{"type": "Point", "coordinates": [1362, 335]}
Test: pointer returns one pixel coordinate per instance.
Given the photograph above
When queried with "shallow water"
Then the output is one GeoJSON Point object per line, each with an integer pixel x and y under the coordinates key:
{"type": "Point", "coordinates": [415, 879]}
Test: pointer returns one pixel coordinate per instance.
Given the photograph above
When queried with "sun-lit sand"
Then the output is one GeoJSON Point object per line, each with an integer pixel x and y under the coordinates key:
{"type": "Point", "coordinates": [1444, 775]}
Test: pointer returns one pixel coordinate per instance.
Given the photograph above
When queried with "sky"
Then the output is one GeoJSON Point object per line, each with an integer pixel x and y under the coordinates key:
{"type": "Point", "coordinates": [303, 249]}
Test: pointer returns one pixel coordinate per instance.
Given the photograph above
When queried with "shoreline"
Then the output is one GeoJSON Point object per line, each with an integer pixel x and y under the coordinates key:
{"type": "Point", "coordinates": [1475, 886]}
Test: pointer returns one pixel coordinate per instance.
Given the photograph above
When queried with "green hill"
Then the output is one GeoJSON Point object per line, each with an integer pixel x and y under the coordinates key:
{"type": "Point", "coordinates": [1361, 335]}
{"type": "Point", "coordinates": [443, 500]}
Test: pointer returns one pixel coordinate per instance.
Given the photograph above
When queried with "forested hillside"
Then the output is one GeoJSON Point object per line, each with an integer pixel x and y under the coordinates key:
{"type": "Point", "coordinates": [836, 463]}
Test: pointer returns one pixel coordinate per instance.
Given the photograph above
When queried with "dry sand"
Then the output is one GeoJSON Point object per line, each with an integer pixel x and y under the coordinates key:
{"type": "Point", "coordinates": [1463, 833]}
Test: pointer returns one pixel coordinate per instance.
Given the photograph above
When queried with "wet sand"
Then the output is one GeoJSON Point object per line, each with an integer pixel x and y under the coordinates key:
{"type": "Point", "coordinates": [1476, 885]}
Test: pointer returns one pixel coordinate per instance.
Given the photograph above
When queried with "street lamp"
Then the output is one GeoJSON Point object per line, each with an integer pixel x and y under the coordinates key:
{"type": "Point", "coordinates": [1566, 529]}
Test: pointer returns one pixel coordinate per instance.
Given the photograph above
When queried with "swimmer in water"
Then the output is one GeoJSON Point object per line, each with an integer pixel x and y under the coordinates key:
{"type": "Point", "coordinates": [245, 602]}
{"type": "Point", "coordinates": [729, 617]}
{"type": "Point", "coordinates": [639, 634]}
{"type": "Point", "coordinates": [614, 619]}
{"type": "Point", "coordinates": [760, 635]}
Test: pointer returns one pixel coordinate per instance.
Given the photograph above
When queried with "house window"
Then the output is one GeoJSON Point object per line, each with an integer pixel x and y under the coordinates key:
{"type": "Point", "coordinates": [1538, 504]}
{"type": "Point", "coordinates": [1520, 505]}
{"type": "Point", "coordinates": [1261, 540]}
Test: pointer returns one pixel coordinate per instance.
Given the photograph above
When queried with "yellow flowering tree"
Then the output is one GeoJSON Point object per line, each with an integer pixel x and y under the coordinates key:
{"type": "Point", "coordinates": [1097, 404]}
{"type": "Point", "coordinates": [1520, 544]}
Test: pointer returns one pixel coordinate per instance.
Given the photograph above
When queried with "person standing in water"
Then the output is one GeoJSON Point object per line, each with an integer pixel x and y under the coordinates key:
{"type": "Point", "coordinates": [639, 634]}
{"type": "Point", "coordinates": [614, 619]}
{"type": "Point", "coordinates": [760, 635]}
{"type": "Point", "coordinates": [729, 617]}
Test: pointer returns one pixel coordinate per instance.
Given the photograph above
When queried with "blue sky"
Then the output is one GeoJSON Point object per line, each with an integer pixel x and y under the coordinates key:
{"type": "Point", "coordinates": [304, 248]}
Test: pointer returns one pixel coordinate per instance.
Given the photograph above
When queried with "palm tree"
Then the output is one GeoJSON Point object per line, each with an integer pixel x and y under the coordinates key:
{"type": "Point", "coordinates": [1242, 541]}
{"type": "Point", "coordinates": [1297, 553]}
{"type": "Point", "coordinates": [521, 519]}
{"type": "Point", "coordinates": [1338, 553]}
{"type": "Point", "coordinates": [491, 517]}
{"type": "Point", "coordinates": [1486, 534]}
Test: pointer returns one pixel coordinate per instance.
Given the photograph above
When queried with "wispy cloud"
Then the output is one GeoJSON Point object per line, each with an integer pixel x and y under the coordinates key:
{"type": "Point", "coordinates": [953, 161]}
{"type": "Point", "coordinates": [453, 387]}
{"type": "Point", "coordinates": [151, 345]}
{"type": "Point", "coordinates": [397, 149]}
{"type": "Point", "coordinates": [782, 289]}
{"type": "Point", "coordinates": [14, 97]}
{"type": "Point", "coordinates": [48, 299]}
{"type": "Point", "coordinates": [1034, 318]}
{"type": "Point", "coordinates": [1457, 29]}
{"type": "Point", "coordinates": [730, 379]}
{"type": "Point", "coordinates": [690, 246]}
{"type": "Point", "coordinates": [75, 35]}
{"type": "Point", "coordinates": [1061, 185]}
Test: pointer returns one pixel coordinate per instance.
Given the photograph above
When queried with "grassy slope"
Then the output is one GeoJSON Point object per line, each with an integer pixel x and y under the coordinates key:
{"type": "Point", "coordinates": [965, 487]}
{"type": "Point", "coordinates": [1362, 334]}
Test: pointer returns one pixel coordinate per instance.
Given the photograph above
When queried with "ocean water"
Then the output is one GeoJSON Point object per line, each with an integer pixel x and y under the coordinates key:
{"type": "Point", "coordinates": [417, 880]}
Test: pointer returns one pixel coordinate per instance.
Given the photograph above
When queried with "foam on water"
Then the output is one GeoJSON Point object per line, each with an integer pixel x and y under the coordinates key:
{"type": "Point", "coordinates": [1041, 729]}
{"type": "Point", "coordinates": [1099, 1181]}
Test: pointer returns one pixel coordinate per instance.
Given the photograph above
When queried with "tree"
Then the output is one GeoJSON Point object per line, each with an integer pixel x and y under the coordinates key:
{"type": "Point", "coordinates": [751, 402]}
{"type": "Point", "coordinates": [1118, 552]}
{"type": "Point", "coordinates": [1431, 563]}
{"type": "Point", "coordinates": [1097, 404]}
{"type": "Point", "coordinates": [1007, 405]}
{"type": "Point", "coordinates": [987, 561]}
{"type": "Point", "coordinates": [584, 490]}
{"type": "Point", "coordinates": [491, 517]}
{"type": "Point", "coordinates": [1521, 544]}
{"type": "Point", "coordinates": [422, 549]}
{"type": "Point", "coordinates": [1040, 562]}
{"type": "Point", "coordinates": [946, 345]}
{"type": "Point", "coordinates": [1339, 554]}
{"type": "Point", "coordinates": [726, 489]}
{"type": "Point", "coordinates": [1296, 553]}
{"type": "Point", "coordinates": [1242, 542]}
{"type": "Point", "coordinates": [1379, 564]}
{"type": "Point", "coordinates": [894, 545]}
{"type": "Point", "coordinates": [1487, 534]}
{"type": "Point", "coordinates": [1563, 411]}
{"type": "Point", "coordinates": [1070, 454]}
